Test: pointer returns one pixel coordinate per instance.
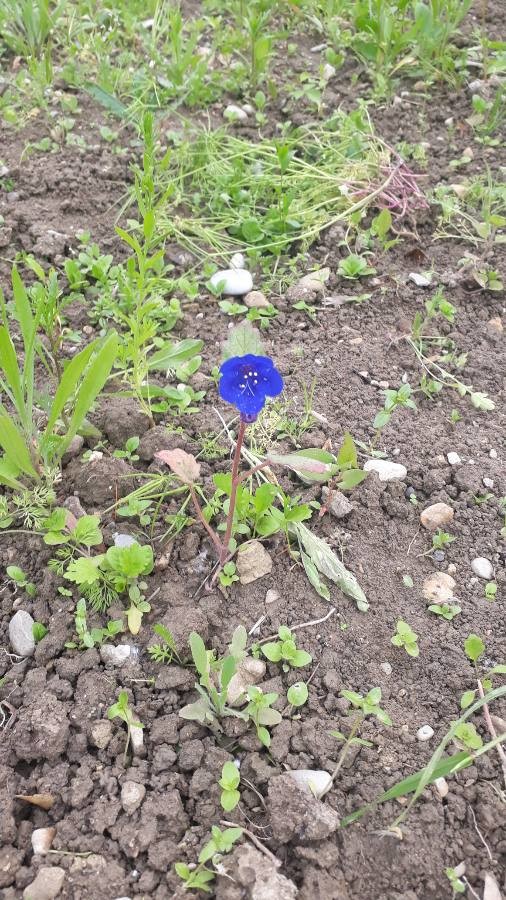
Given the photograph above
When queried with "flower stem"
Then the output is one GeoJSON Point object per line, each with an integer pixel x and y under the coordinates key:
{"type": "Point", "coordinates": [233, 492]}
{"type": "Point", "coordinates": [201, 517]}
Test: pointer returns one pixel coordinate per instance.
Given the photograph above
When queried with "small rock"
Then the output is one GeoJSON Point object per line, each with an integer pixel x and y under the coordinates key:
{"type": "Point", "coordinates": [74, 448]}
{"type": "Point", "coordinates": [386, 470]}
{"type": "Point", "coordinates": [42, 838]}
{"type": "Point", "coordinates": [436, 516]}
{"type": "Point", "coordinates": [489, 483]}
{"type": "Point", "coordinates": [452, 568]}
{"type": "Point", "coordinates": [253, 562]}
{"type": "Point", "coordinates": [424, 733]}
{"type": "Point", "coordinates": [253, 876]}
{"type": "Point", "coordinates": [46, 885]}
{"type": "Point", "coordinates": [495, 325]}
{"type": "Point", "coordinates": [115, 656]}
{"type": "Point", "coordinates": [438, 556]}
{"type": "Point", "coordinates": [296, 815]}
{"type": "Point", "coordinates": [491, 889]}
{"type": "Point", "coordinates": [237, 261]}
{"type": "Point", "coordinates": [386, 668]}
{"type": "Point", "coordinates": [123, 540]}
{"type": "Point", "coordinates": [316, 781]}
{"type": "Point", "coordinates": [460, 870]}
{"type": "Point", "coordinates": [493, 454]}
{"type": "Point", "coordinates": [249, 671]}
{"type": "Point", "coordinates": [137, 740]}
{"type": "Point", "coordinates": [441, 786]}
{"type": "Point", "coordinates": [256, 300]}
{"type": "Point", "coordinates": [419, 279]}
{"type": "Point", "coordinates": [339, 505]}
{"type": "Point", "coordinates": [453, 458]}
{"type": "Point", "coordinates": [101, 733]}
{"type": "Point", "coordinates": [132, 795]}
{"type": "Point", "coordinates": [482, 567]}
{"type": "Point", "coordinates": [328, 72]}
{"type": "Point", "coordinates": [236, 282]}
{"type": "Point", "coordinates": [235, 113]}
{"type": "Point", "coordinates": [271, 596]}
{"type": "Point", "coordinates": [21, 633]}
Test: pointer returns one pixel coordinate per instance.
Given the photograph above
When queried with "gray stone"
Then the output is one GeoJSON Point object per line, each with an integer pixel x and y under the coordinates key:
{"type": "Point", "coordinates": [132, 795]}
{"type": "Point", "coordinates": [46, 885]}
{"type": "Point", "coordinates": [253, 876]}
{"type": "Point", "coordinates": [21, 633]}
{"type": "Point", "coordinates": [386, 470]}
{"type": "Point", "coordinates": [256, 300]}
{"type": "Point", "coordinates": [101, 733]}
{"type": "Point", "coordinates": [386, 668]}
{"type": "Point", "coordinates": [316, 781]}
{"type": "Point", "coordinates": [419, 279]}
{"type": "Point", "coordinates": [482, 567]}
{"type": "Point", "coordinates": [235, 113]}
{"type": "Point", "coordinates": [425, 733]}
{"type": "Point", "coordinates": [253, 562]}
{"type": "Point", "coordinates": [115, 655]}
{"type": "Point", "coordinates": [339, 505]}
{"type": "Point", "coordinates": [438, 588]}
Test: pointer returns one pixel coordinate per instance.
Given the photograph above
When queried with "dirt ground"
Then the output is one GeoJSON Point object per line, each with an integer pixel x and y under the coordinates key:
{"type": "Point", "coordinates": [59, 740]}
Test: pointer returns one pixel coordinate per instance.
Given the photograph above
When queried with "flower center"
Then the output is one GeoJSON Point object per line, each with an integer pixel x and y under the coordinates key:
{"type": "Point", "coordinates": [249, 379]}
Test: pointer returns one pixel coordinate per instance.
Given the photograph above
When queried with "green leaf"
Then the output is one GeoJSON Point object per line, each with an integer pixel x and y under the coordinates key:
{"type": "Point", "coordinates": [23, 309]}
{"type": "Point", "coordinates": [15, 447]}
{"type": "Point", "coordinates": [300, 658]}
{"type": "Point", "coordinates": [170, 356]}
{"type": "Point", "coordinates": [230, 776]}
{"type": "Point", "coordinates": [9, 365]}
{"type": "Point", "coordinates": [467, 698]}
{"type": "Point", "coordinates": [347, 456]}
{"type": "Point", "coordinates": [297, 693]}
{"type": "Point", "coordinates": [87, 531]}
{"type": "Point", "coordinates": [243, 339]}
{"type": "Point", "coordinates": [351, 478]}
{"type": "Point", "coordinates": [229, 799]}
{"type": "Point", "coordinates": [84, 570]}
{"type": "Point", "coordinates": [328, 564]}
{"type": "Point", "coordinates": [272, 651]}
{"type": "Point", "coordinates": [264, 736]}
{"type": "Point", "coordinates": [131, 561]}
{"type": "Point", "coordinates": [312, 465]}
{"type": "Point", "coordinates": [68, 384]}
{"type": "Point", "coordinates": [497, 670]}
{"type": "Point", "coordinates": [107, 100]}
{"type": "Point", "coordinates": [474, 647]}
{"type": "Point", "coordinates": [199, 653]}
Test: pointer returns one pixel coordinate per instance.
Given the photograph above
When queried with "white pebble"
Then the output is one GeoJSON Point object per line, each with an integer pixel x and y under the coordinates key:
{"type": "Point", "coordinates": [123, 540]}
{"type": "Point", "coordinates": [482, 567]}
{"type": "Point", "coordinates": [441, 786]}
{"type": "Point", "coordinates": [425, 733]}
{"type": "Point", "coordinates": [235, 113]}
{"type": "Point", "coordinates": [237, 261]}
{"type": "Point", "coordinates": [235, 282]}
{"type": "Point", "coordinates": [386, 668]}
{"type": "Point", "coordinates": [453, 458]}
{"type": "Point", "coordinates": [317, 781]}
{"type": "Point", "coordinates": [493, 454]}
{"type": "Point", "coordinates": [42, 838]}
{"type": "Point", "coordinates": [386, 470]}
{"type": "Point", "coordinates": [419, 279]}
{"type": "Point", "coordinates": [115, 656]}
{"type": "Point", "coordinates": [21, 633]}
{"type": "Point", "coordinates": [488, 482]}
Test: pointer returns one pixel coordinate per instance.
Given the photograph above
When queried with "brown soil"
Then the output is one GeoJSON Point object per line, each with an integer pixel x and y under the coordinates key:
{"type": "Point", "coordinates": [58, 697]}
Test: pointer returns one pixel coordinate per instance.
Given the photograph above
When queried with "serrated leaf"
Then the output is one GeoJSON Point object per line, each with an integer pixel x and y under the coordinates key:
{"type": "Point", "coordinates": [242, 340]}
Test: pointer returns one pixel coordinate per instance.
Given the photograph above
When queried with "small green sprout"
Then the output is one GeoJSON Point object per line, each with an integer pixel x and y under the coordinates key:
{"type": "Point", "coordinates": [86, 639]}
{"type": "Point", "coordinates": [441, 539]}
{"type": "Point", "coordinates": [298, 693]}
{"type": "Point", "coordinates": [229, 782]}
{"type": "Point", "coordinates": [129, 450]}
{"type": "Point", "coordinates": [455, 417]}
{"type": "Point", "coordinates": [260, 712]}
{"type": "Point", "coordinates": [198, 877]}
{"type": "Point", "coordinates": [363, 706]}
{"type": "Point", "coordinates": [405, 637]}
{"type": "Point", "coordinates": [467, 735]}
{"type": "Point", "coordinates": [167, 650]}
{"type": "Point", "coordinates": [355, 266]}
{"type": "Point", "coordinates": [18, 577]}
{"type": "Point", "coordinates": [228, 574]}
{"type": "Point", "coordinates": [491, 590]}
{"type": "Point", "coordinates": [121, 710]}
{"type": "Point", "coordinates": [445, 610]}
{"type": "Point", "coordinates": [39, 631]}
{"type": "Point", "coordinates": [285, 650]}
{"type": "Point", "coordinates": [456, 884]}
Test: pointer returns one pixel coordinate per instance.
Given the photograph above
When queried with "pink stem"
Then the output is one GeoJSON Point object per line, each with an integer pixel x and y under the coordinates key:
{"type": "Point", "coordinates": [233, 492]}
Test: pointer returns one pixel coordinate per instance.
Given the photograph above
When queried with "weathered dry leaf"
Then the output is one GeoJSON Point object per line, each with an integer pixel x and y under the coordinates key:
{"type": "Point", "coordinates": [45, 801]}
{"type": "Point", "coordinates": [183, 464]}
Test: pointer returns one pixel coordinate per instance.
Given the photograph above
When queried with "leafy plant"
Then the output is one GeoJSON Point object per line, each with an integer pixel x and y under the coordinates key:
{"type": "Point", "coordinates": [405, 637]}
{"type": "Point", "coordinates": [355, 266]}
{"type": "Point", "coordinates": [87, 638]}
{"type": "Point", "coordinates": [39, 631]}
{"type": "Point", "coordinates": [30, 450]}
{"type": "Point", "coordinates": [229, 782]}
{"type": "Point", "coordinates": [260, 712]}
{"type": "Point", "coordinates": [445, 610]}
{"type": "Point", "coordinates": [228, 574]}
{"type": "Point", "coordinates": [297, 694]}
{"type": "Point", "coordinates": [199, 877]}
{"type": "Point", "coordinates": [167, 650]}
{"type": "Point", "coordinates": [215, 676]}
{"type": "Point", "coordinates": [18, 577]}
{"type": "Point", "coordinates": [121, 710]}
{"type": "Point", "coordinates": [286, 651]}
{"type": "Point", "coordinates": [129, 451]}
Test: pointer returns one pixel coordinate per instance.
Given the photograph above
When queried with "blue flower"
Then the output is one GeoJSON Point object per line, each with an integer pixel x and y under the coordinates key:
{"type": "Point", "coordinates": [246, 381]}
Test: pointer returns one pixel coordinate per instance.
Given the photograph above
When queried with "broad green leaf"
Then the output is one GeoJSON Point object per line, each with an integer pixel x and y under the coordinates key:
{"type": "Point", "coordinates": [328, 564]}
{"type": "Point", "coordinates": [84, 570]}
{"type": "Point", "coordinates": [131, 561]}
{"type": "Point", "coordinates": [351, 478]}
{"type": "Point", "coordinates": [24, 313]}
{"type": "Point", "coordinates": [272, 651]}
{"type": "Point", "coordinates": [474, 647]}
{"type": "Point", "coordinates": [297, 693]}
{"type": "Point", "coordinates": [312, 465]}
{"type": "Point", "coordinates": [87, 531]}
{"type": "Point", "coordinates": [229, 799]}
{"type": "Point", "coordinates": [15, 447]}
{"type": "Point", "coordinates": [170, 356]}
{"type": "Point", "coordinates": [134, 619]}
{"type": "Point", "coordinates": [8, 474]}
{"type": "Point", "coordinates": [68, 384]}
{"type": "Point", "coordinates": [467, 698]}
{"type": "Point", "coordinates": [242, 340]}
{"type": "Point", "coordinates": [230, 776]}
{"type": "Point", "coordinates": [9, 365]}
{"type": "Point", "coordinates": [107, 100]}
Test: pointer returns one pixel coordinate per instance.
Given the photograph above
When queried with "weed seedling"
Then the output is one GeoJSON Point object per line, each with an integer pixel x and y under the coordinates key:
{"type": "Point", "coordinates": [121, 710]}
{"type": "Point", "coordinates": [215, 677]}
{"type": "Point", "coordinates": [441, 539]}
{"type": "Point", "coordinates": [405, 637]}
{"type": "Point", "coordinates": [221, 843]}
{"type": "Point", "coordinates": [229, 782]}
{"type": "Point", "coordinates": [365, 706]}
{"type": "Point", "coordinates": [297, 694]}
{"type": "Point", "coordinates": [286, 651]}
{"type": "Point", "coordinates": [355, 266]}
{"type": "Point", "coordinates": [166, 651]}
{"type": "Point", "coordinates": [445, 610]}
{"type": "Point", "coordinates": [228, 574]}
{"type": "Point", "coordinates": [18, 578]}
{"type": "Point", "coordinates": [39, 631]}
{"type": "Point", "coordinates": [87, 638]}
{"type": "Point", "coordinates": [456, 883]}
{"type": "Point", "coordinates": [260, 712]}
{"type": "Point", "coordinates": [129, 451]}
{"type": "Point", "coordinates": [490, 590]}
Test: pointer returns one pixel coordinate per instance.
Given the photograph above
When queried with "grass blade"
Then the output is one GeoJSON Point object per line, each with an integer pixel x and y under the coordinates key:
{"type": "Point", "coordinates": [10, 368]}
{"type": "Point", "coordinates": [13, 442]}
{"type": "Point", "coordinates": [94, 379]}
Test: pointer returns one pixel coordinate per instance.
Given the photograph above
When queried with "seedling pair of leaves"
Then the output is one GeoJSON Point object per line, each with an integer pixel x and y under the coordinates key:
{"type": "Point", "coordinates": [474, 649]}
{"type": "Point", "coordinates": [286, 651]}
{"type": "Point", "coordinates": [407, 638]}
{"type": "Point", "coordinates": [19, 578]}
{"type": "Point", "coordinates": [219, 845]}
{"type": "Point", "coordinates": [121, 710]}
